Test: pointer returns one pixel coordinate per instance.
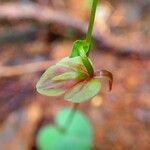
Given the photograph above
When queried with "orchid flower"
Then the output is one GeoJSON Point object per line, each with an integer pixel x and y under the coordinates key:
{"type": "Point", "coordinates": [73, 77]}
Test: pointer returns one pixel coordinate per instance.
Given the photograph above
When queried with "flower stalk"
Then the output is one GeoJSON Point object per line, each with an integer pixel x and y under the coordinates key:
{"type": "Point", "coordinates": [88, 41]}
{"type": "Point", "coordinates": [91, 22]}
{"type": "Point", "coordinates": [74, 76]}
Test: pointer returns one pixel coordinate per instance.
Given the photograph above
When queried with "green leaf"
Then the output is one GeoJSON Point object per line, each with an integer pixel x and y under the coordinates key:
{"type": "Point", "coordinates": [83, 91]}
{"type": "Point", "coordinates": [78, 136]}
{"type": "Point", "coordinates": [78, 46]}
{"type": "Point", "coordinates": [48, 137]}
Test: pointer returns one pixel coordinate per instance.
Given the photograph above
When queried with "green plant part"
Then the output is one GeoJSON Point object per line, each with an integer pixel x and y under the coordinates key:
{"type": "Point", "coordinates": [71, 78]}
{"type": "Point", "coordinates": [81, 48]}
{"type": "Point", "coordinates": [74, 76]}
{"type": "Point", "coordinates": [78, 136]}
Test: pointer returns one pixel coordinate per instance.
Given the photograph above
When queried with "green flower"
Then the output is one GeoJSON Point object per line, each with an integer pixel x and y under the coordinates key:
{"type": "Point", "coordinates": [71, 77]}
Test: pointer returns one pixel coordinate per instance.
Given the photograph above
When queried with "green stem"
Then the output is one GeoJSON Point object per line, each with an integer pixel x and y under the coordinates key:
{"type": "Point", "coordinates": [71, 115]}
{"type": "Point", "coordinates": [91, 23]}
{"type": "Point", "coordinates": [69, 119]}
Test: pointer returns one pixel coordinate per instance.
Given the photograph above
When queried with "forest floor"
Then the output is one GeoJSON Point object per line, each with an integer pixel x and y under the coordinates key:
{"type": "Point", "coordinates": [29, 43]}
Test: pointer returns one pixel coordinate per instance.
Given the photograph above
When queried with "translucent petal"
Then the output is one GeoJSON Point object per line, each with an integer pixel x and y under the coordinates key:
{"type": "Point", "coordinates": [68, 76]}
{"type": "Point", "coordinates": [83, 91]}
{"type": "Point", "coordinates": [58, 78]}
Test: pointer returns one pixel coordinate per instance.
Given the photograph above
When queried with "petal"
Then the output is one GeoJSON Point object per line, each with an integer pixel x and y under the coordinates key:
{"type": "Point", "coordinates": [68, 76]}
{"type": "Point", "coordinates": [58, 78]}
{"type": "Point", "coordinates": [45, 87]}
{"type": "Point", "coordinates": [83, 91]}
{"type": "Point", "coordinates": [74, 63]}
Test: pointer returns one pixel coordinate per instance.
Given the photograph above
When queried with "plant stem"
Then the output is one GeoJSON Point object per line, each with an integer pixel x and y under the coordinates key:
{"type": "Point", "coordinates": [91, 23]}
{"type": "Point", "coordinates": [68, 120]}
{"type": "Point", "coordinates": [71, 115]}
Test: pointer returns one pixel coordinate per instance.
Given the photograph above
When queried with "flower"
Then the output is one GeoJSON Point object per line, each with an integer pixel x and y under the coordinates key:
{"type": "Point", "coordinates": [70, 77]}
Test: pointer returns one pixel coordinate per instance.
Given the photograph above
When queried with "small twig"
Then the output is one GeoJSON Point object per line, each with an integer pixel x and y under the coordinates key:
{"type": "Point", "coordinates": [116, 44]}
{"type": "Point", "coordinates": [17, 11]}
{"type": "Point", "coordinates": [8, 71]}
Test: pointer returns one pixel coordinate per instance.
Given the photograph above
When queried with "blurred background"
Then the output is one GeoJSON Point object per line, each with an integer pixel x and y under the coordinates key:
{"type": "Point", "coordinates": [34, 34]}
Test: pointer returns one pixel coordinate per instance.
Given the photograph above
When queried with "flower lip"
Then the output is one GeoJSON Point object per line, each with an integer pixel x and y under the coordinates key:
{"type": "Point", "coordinates": [104, 74]}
